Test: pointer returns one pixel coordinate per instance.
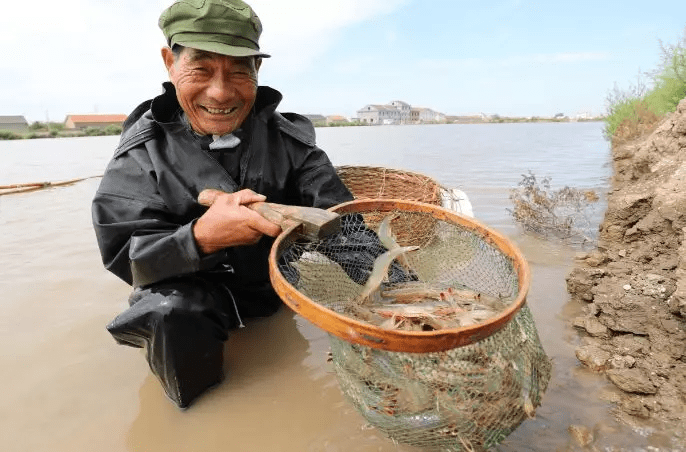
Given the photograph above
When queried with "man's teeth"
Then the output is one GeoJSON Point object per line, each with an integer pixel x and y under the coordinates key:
{"type": "Point", "coordinates": [219, 111]}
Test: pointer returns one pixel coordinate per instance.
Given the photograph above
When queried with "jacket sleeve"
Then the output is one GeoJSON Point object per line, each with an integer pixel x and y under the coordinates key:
{"type": "Point", "coordinates": [140, 240]}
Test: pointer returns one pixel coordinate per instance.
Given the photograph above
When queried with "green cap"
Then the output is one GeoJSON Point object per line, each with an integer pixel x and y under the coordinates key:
{"type": "Point", "coordinates": [227, 27]}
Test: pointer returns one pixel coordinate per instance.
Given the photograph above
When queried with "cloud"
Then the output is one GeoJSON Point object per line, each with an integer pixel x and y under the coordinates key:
{"type": "Point", "coordinates": [297, 32]}
{"type": "Point", "coordinates": [71, 56]}
{"type": "Point", "coordinates": [62, 57]}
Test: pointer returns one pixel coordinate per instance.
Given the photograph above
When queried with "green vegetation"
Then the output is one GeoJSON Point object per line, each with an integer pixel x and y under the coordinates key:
{"type": "Point", "coordinates": [340, 124]}
{"type": "Point", "coordinates": [638, 109]}
{"type": "Point", "coordinates": [9, 135]}
{"type": "Point", "coordinates": [347, 124]}
{"type": "Point", "coordinates": [45, 127]}
{"type": "Point", "coordinates": [97, 131]}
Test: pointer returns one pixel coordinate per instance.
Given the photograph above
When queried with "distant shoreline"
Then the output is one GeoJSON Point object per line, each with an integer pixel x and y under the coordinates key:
{"type": "Point", "coordinates": [59, 133]}
{"type": "Point", "coordinates": [471, 120]}
{"type": "Point", "coordinates": [90, 132]}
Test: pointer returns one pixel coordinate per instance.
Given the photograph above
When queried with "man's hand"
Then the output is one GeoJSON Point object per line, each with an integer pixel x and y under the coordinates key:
{"type": "Point", "coordinates": [228, 222]}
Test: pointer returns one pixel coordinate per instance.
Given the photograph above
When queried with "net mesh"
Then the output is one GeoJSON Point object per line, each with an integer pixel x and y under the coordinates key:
{"type": "Point", "coordinates": [466, 398]}
{"type": "Point", "coordinates": [414, 273]}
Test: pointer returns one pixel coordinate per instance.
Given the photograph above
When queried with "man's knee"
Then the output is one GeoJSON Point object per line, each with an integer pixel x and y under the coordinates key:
{"type": "Point", "coordinates": [189, 304]}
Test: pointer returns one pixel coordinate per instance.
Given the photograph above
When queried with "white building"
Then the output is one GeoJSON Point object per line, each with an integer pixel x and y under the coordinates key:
{"type": "Point", "coordinates": [380, 115]}
{"type": "Point", "coordinates": [398, 112]}
{"type": "Point", "coordinates": [424, 115]}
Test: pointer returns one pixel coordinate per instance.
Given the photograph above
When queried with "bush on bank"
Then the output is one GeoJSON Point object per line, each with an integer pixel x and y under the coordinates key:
{"type": "Point", "coordinates": [638, 109]}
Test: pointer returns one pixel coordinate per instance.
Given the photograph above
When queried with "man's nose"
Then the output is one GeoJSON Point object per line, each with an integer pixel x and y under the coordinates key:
{"type": "Point", "coordinates": [220, 88]}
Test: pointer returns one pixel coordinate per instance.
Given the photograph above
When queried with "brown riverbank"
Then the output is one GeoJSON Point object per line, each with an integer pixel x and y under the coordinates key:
{"type": "Point", "coordinates": [633, 285]}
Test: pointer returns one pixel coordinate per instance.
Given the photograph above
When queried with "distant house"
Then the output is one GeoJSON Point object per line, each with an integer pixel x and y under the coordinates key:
{"type": "Point", "coordinates": [380, 114]}
{"type": "Point", "coordinates": [335, 119]}
{"type": "Point", "coordinates": [404, 109]}
{"type": "Point", "coordinates": [100, 121]}
{"type": "Point", "coordinates": [316, 119]}
{"type": "Point", "coordinates": [370, 114]}
{"type": "Point", "coordinates": [423, 115]}
{"type": "Point", "coordinates": [398, 112]}
{"type": "Point", "coordinates": [14, 123]}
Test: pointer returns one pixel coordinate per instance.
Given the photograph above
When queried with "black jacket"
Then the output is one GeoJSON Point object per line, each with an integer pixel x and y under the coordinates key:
{"type": "Point", "coordinates": [145, 206]}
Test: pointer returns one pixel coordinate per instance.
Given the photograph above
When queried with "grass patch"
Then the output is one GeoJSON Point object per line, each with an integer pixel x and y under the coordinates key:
{"type": "Point", "coordinates": [637, 110]}
{"type": "Point", "coordinates": [10, 135]}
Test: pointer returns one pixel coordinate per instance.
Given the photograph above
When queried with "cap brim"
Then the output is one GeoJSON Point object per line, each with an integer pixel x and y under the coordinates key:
{"type": "Point", "coordinates": [222, 49]}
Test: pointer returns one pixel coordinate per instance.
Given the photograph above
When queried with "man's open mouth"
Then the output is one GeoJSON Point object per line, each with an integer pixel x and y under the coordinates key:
{"type": "Point", "coordinates": [219, 111]}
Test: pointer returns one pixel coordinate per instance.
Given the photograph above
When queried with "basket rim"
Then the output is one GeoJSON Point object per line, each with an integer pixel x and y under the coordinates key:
{"type": "Point", "coordinates": [358, 332]}
{"type": "Point", "coordinates": [386, 169]}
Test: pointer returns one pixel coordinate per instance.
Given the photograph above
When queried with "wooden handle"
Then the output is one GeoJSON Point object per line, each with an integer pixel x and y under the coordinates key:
{"type": "Point", "coordinates": [269, 211]}
{"type": "Point", "coordinates": [316, 223]}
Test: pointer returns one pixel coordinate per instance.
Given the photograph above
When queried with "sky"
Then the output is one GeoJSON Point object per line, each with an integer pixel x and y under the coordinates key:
{"type": "Point", "coordinates": [511, 58]}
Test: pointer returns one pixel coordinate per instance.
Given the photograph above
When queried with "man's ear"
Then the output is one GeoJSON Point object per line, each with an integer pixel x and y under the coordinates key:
{"type": "Point", "coordinates": [168, 58]}
{"type": "Point", "coordinates": [258, 63]}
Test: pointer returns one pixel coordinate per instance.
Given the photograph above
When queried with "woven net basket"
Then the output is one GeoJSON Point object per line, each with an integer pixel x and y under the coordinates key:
{"type": "Point", "coordinates": [425, 372]}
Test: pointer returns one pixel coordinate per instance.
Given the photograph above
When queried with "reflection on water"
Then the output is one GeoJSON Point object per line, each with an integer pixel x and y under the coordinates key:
{"type": "Point", "coordinates": [69, 387]}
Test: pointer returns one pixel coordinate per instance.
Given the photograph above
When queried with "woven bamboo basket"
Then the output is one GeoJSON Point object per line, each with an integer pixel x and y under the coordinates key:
{"type": "Point", "coordinates": [376, 182]}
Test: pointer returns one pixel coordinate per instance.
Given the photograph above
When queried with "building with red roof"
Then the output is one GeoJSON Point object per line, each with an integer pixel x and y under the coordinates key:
{"type": "Point", "coordinates": [100, 121]}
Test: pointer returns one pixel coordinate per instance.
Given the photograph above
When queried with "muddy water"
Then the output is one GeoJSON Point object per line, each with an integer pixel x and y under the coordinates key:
{"type": "Point", "coordinates": [68, 387]}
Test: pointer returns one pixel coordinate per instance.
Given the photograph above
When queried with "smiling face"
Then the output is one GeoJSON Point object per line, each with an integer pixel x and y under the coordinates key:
{"type": "Point", "coordinates": [215, 91]}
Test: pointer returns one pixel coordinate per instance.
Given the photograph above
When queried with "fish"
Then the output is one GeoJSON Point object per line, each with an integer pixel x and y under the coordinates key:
{"type": "Point", "coordinates": [385, 234]}
{"type": "Point", "coordinates": [388, 238]}
{"type": "Point", "coordinates": [380, 271]}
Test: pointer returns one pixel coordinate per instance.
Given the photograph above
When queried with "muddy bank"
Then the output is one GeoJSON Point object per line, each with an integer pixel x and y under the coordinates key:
{"type": "Point", "coordinates": [633, 285]}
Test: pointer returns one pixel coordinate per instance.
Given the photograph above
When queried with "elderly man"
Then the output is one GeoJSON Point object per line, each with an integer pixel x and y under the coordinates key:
{"type": "Point", "coordinates": [196, 271]}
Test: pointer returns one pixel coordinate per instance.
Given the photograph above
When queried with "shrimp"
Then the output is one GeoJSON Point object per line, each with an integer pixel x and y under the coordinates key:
{"type": "Point", "coordinates": [495, 303]}
{"type": "Point", "coordinates": [422, 314]}
{"type": "Point", "coordinates": [411, 292]}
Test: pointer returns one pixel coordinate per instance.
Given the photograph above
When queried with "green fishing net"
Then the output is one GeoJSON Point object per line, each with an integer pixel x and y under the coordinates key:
{"type": "Point", "coordinates": [442, 352]}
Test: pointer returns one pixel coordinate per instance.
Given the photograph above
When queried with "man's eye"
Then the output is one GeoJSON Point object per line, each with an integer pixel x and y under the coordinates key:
{"type": "Point", "coordinates": [242, 75]}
